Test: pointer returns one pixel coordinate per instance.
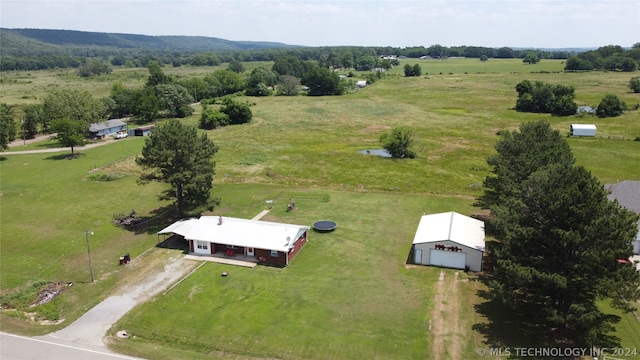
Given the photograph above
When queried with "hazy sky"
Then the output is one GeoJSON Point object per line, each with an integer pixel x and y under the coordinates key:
{"type": "Point", "coordinates": [398, 23]}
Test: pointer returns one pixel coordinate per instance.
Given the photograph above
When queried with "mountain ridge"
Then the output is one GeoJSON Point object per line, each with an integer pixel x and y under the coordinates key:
{"type": "Point", "coordinates": [18, 42]}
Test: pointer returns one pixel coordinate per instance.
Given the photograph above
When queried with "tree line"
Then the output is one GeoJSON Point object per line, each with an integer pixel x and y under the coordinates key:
{"type": "Point", "coordinates": [335, 56]}
{"type": "Point", "coordinates": [611, 57]}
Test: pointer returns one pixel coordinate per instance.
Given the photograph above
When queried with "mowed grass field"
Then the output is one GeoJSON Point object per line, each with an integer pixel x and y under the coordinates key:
{"type": "Point", "coordinates": [348, 294]}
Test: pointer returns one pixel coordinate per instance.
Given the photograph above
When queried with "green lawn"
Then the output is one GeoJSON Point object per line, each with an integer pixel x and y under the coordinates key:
{"type": "Point", "coordinates": [348, 294]}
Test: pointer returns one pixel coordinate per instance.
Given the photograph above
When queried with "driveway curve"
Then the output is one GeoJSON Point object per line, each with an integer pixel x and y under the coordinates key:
{"type": "Point", "coordinates": [91, 327]}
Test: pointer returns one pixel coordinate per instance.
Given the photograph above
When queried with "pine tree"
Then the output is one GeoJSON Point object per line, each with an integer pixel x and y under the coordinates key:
{"type": "Point", "coordinates": [176, 155]}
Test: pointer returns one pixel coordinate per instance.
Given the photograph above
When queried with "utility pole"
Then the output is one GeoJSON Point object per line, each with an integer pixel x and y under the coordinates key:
{"type": "Point", "coordinates": [86, 235]}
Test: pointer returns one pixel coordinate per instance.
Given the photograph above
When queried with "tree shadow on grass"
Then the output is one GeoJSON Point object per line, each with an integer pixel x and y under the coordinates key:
{"type": "Point", "coordinates": [504, 328]}
{"type": "Point", "coordinates": [157, 220]}
{"type": "Point", "coordinates": [65, 156]}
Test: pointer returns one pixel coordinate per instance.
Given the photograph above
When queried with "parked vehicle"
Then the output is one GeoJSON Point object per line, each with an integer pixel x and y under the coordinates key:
{"type": "Point", "coordinates": [120, 135]}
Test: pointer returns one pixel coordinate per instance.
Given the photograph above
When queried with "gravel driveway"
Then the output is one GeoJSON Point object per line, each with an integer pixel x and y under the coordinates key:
{"type": "Point", "coordinates": [91, 328]}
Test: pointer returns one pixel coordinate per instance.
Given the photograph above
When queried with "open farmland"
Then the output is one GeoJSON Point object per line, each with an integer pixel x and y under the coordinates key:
{"type": "Point", "coordinates": [348, 294]}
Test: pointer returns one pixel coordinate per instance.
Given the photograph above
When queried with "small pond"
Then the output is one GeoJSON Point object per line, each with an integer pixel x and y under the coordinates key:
{"type": "Point", "coordinates": [376, 152]}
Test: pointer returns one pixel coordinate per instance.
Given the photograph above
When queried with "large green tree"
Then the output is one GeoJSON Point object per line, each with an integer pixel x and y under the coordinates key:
{"type": "Point", "coordinates": [260, 82]}
{"type": "Point", "coordinates": [70, 113]}
{"type": "Point", "coordinates": [288, 85]}
{"type": "Point", "coordinates": [175, 99]}
{"type": "Point", "coordinates": [69, 133]}
{"type": "Point", "coordinates": [322, 81]}
{"type": "Point", "coordinates": [519, 154]}
{"type": "Point", "coordinates": [558, 237]}
{"type": "Point", "coordinates": [33, 114]}
{"type": "Point", "coordinates": [156, 75]}
{"type": "Point", "coordinates": [611, 106]}
{"type": "Point", "coordinates": [7, 126]}
{"type": "Point", "coordinates": [224, 82]}
{"type": "Point", "coordinates": [558, 244]}
{"type": "Point", "coordinates": [176, 155]}
{"type": "Point", "coordinates": [78, 105]}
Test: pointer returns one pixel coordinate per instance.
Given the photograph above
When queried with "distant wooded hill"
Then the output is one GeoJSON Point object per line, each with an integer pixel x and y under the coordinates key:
{"type": "Point", "coordinates": [27, 42]}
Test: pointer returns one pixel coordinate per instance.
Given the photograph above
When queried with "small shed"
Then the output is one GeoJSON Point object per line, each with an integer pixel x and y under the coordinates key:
{"type": "Point", "coordinates": [142, 130]}
{"type": "Point", "coordinates": [449, 240]}
{"type": "Point", "coordinates": [583, 130]}
{"type": "Point", "coordinates": [102, 129]}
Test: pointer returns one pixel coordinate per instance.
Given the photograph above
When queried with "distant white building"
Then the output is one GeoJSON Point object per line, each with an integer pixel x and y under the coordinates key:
{"type": "Point", "coordinates": [583, 130]}
{"type": "Point", "coordinates": [361, 83]}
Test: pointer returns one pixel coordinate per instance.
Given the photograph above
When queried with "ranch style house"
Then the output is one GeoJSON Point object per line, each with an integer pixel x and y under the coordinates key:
{"type": "Point", "coordinates": [267, 242]}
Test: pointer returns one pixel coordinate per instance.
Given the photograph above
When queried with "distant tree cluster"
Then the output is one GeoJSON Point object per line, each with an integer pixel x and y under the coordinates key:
{"type": "Point", "coordinates": [540, 97]}
{"type": "Point", "coordinates": [611, 57]}
{"type": "Point", "coordinates": [412, 70]}
{"type": "Point", "coordinates": [94, 67]}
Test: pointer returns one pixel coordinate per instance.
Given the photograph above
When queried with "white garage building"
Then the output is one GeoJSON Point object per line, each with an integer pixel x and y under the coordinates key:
{"type": "Point", "coordinates": [449, 240]}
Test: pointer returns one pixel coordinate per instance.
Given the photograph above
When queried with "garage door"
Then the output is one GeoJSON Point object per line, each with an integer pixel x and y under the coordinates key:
{"type": "Point", "coordinates": [449, 259]}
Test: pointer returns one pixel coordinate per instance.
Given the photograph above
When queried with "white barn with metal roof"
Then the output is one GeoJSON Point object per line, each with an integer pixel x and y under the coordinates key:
{"type": "Point", "coordinates": [449, 240]}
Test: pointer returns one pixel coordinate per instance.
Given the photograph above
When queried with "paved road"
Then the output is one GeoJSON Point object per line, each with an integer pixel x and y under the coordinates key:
{"type": "Point", "coordinates": [15, 347]}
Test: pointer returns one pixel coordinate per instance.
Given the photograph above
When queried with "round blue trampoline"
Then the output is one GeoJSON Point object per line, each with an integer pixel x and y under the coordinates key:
{"type": "Point", "coordinates": [324, 225]}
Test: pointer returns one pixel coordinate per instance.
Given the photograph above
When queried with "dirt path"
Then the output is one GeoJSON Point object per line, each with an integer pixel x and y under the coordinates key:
{"type": "Point", "coordinates": [446, 329]}
{"type": "Point", "coordinates": [16, 144]}
{"type": "Point", "coordinates": [148, 278]}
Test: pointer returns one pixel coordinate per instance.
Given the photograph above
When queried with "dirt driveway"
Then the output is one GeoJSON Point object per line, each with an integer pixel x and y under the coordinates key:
{"type": "Point", "coordinates": [147, 278]}
{"type": "Point", "coordinates": [15, 145]}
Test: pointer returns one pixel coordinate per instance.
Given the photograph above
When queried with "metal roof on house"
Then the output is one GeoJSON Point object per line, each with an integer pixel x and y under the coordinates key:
{"type": "Point", "coordinates": [180, 227]}
{"type": "Point", "coordinates": [239, 232]}
{"type": "Point", "coordinates": [108, 124]}
{"type": "Point", "coordinates": [451, 226]}
{"type": "Point", "coordinates": [627, 193]}
{"type": "Point", "coordinates": [583, 127]}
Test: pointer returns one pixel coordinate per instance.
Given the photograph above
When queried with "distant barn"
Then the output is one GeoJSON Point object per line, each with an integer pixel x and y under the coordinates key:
{"type": "Point", "coordinates": [583, 130]}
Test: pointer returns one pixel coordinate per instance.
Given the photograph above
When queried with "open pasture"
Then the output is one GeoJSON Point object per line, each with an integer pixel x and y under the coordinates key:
{"type": "Point", "coordinates": [348, 294]}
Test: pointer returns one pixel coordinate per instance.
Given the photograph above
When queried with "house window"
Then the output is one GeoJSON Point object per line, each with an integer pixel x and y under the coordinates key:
{"type": "Point", "coordinates": [203, 245]}
{"type": "Point", "coordinates": [275, 253]}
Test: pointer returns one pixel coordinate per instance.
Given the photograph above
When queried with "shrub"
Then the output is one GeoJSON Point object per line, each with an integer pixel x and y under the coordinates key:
{"type": "Point", "coordinates": [611, 106]}
{"type": "Point", "coordinates": [212, 118]}
{"type": "Point", "coordinates": [634, 84]}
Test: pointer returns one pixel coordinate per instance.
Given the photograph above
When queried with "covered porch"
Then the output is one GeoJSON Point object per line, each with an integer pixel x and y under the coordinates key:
{"type": "Point", "coordinates": [238, 260]}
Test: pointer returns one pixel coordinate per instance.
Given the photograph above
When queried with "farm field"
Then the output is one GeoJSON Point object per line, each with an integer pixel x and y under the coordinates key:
{"type": "Point", "coordinates": [348, 294]}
